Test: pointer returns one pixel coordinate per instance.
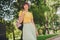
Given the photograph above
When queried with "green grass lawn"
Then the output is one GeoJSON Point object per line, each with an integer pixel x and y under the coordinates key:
{"type": "Point", "coordinates": [44, 37]}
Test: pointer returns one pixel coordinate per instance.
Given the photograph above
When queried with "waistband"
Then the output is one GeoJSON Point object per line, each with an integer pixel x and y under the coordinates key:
{"type": "Point", "coordinates": [27, 22]}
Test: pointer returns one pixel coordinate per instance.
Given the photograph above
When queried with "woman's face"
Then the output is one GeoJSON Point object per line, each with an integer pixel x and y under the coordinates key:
{"type": "Point", "coordinates": [26, 7]}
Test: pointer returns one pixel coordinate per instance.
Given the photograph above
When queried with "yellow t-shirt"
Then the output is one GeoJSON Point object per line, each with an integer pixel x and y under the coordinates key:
{"type": "Point", "coordinates": [27, 17]}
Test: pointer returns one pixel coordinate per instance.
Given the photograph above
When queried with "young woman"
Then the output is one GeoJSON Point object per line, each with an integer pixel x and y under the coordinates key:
{"type": "Point", "coordinates": [29, 29]}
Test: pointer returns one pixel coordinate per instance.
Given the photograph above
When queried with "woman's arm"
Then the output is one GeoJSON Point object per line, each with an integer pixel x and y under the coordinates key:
{"type": "Point", "coordinates": [19, 21]}
{"type": "Point", "coordinates": [21, 17]}
{"type": "Point", "coordinates": [35, 27]}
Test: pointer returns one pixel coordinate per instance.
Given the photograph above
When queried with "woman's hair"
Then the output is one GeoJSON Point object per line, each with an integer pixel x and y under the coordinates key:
{"type": "Point", "coordinates": [24, 4]}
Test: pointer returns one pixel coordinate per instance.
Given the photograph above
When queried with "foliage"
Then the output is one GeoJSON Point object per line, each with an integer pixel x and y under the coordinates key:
{"type": "Point", "coordinates": [44, 12]}
{"type": "Point", "coordinates": [7, 9]}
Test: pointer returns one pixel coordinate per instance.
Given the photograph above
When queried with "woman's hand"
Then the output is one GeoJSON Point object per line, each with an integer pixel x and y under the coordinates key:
{"type": "Point", "coordinates": [18, 24]}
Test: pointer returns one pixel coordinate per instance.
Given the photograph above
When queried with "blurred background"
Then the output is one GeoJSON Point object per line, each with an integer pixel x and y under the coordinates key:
{"type": "Point", "coordinates": [46, 17]}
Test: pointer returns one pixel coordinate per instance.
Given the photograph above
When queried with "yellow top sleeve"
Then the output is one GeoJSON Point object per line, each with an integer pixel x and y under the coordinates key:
{"type": "Point", "coordinates": [20, 13]}
{"type": "Point", "coordinates": [32, 15]}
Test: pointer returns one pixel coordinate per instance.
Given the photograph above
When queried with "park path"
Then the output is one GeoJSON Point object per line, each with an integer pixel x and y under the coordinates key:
{"type": "Point", "coordinates": [58, 38]}
{"type": "Point", "coordinates": [55, 38]}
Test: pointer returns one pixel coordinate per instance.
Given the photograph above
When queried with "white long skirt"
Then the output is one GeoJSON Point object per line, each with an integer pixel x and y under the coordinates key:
{"type": "Point", "coordinates": [29, 32]}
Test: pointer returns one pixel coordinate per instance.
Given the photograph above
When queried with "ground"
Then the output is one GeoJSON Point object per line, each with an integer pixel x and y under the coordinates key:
{"type": "Point", "coordinates": [55, 38]}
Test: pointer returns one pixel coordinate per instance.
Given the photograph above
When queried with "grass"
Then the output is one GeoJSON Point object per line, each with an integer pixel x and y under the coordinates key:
{"type": "Point", "coordinates": [44, 37]}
